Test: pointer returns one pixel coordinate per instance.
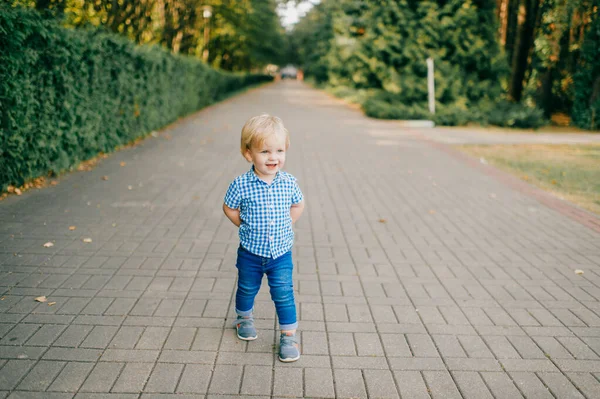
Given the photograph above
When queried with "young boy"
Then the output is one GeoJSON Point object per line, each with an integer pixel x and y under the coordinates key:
{"type": "Point", "coordinates": [264, 203]}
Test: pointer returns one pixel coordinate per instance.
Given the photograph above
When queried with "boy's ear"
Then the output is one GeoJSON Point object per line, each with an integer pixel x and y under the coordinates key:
{"type": "Point", "coordinates": [247, 155]}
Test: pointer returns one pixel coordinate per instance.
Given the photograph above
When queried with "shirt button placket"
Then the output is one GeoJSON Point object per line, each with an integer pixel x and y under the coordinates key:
{"type": "Point", "coordinates": [270, 218]}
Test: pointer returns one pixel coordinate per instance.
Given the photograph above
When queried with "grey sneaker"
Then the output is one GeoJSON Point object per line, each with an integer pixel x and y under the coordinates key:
{"type": "Point", "coordinates": [288, 348]}
{"type": "Point", "coordinates": [245, 328]}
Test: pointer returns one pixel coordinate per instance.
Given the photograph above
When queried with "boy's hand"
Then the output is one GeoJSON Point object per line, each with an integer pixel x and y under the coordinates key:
{"type": "Point", "coordinates": [233, 215]}
{"type": "Point", "coordinates": [296, 210]}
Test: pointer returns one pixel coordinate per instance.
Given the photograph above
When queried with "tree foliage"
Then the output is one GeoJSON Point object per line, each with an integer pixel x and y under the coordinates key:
{"type": "Point", "coordinates": [382, 46]}
{"type": "Point", "coordinates": [243, 34]}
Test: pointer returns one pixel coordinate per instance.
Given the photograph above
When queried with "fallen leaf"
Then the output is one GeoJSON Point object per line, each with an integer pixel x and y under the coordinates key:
{"type": "Point", "coordinates": [129, 187]}
{"type": "Point", "coordinates": [18, 191]}
{"type": "Point", "coordinates": [578, 271]}
{"type": "Point", "coordinates": [382, 220]}
{"type": "Point", "coordinates": [431, 211]}
{"type": "Point", "coordinates": [1, 299]}
{"type": "Point", "coordinates": [114, 225]}
{"type": "Point", "coordinates": [51, 303]}
{"type": "Point", "coordinates": [492, 195]}
{"type": "Point", "coordinates": [48, 245]}
{"type": "Point", "coordinates": [482, 160]}
{"type": "Point", "coordinates": [88, 240]}
{"type": "Point", "coordinates": [104, 177]}
{"type": "Point", "coordinates": [553, 181]}
{"type": "Point", "coordinates": [41, 298]}
{"type": "Point", "coordinates": [72, 228]}
{"type": "Point", "coordinates": [122, 164]}
{"type": "Point", "coordinates": [54, 182]}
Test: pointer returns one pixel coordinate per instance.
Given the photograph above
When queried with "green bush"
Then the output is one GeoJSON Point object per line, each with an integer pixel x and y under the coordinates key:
{"type": "Point", "coordinates": [507, 114]}
{"type": "Point", "coordinates": [67, 95]}
{"type": "Point", "coordinates": [376, 108]}
{"type": "Point", "coordinates": [452, 116]}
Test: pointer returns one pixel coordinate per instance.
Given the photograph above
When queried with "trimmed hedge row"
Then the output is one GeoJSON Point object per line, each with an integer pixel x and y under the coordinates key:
{"type": "Point", "coordinates": [67, 95]}
{"type": "Point", "coordinates": [384, 105]}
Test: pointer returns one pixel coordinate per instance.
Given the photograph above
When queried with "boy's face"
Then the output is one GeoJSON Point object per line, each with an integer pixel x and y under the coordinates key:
{"type": "Point", "coordinates": [269, 157]}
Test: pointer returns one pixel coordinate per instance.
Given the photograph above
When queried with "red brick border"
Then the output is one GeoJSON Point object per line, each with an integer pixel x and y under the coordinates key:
{"type": "Point", "coordinates": [582, 216]}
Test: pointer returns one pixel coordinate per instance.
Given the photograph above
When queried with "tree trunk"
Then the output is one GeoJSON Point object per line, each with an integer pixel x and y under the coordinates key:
{"type": "Point", "coordinates": [545, 93]}
{"type": "Point", "coordinates": [502, 12]}
{"type": "Point", "coordinates": [512, 23]}
{"type": "Point", "coordinates": [520, 59]}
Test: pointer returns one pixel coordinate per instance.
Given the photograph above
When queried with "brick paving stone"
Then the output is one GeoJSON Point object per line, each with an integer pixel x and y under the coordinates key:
{"type": "Point", "coordinates": [288, 382]}
{"type": "Point", "coordinates": [226, 380]}
{"type": "Point", "coordinates": [99, 337]}
{"type": "Point", "coordinates": [441, 385]}
{"type": "Point", "coordinates": [411, 384]}
{"type": "Point", "coordinates": [501, 385]}
{"type": "Point", "coordinates": [530, 385]}
{"type": "Point", "coordinates": [349, 384]}
{"type": "Point", "coordinates": [102, 377]}
{"type": "Point", "coordinates": [39, 395]}
{"type": "Point", "coordinates": [471, 385]}
{"type": "Point", "coordinates": [71, 377]}
{"type": "Point", "coordinates": [560, 385]}
{"type": "Point", "coordinates": [587, 383]}
{"type": "Point", "coordinates": [314, 343]}
{"type": "Point", "coordinates": [318, 383]}
{"type": "Point", "coordinates": [164, 378]}
{"type": "Point", "coordinates": [133, 378]}
{"type": "Point", "coordinates": [46, 335]}
{"type": "Point", "coordinates": [341, 344]}
{"type": "Point", "coordinates": [41, 376]}
{"type": "Point", "coordinates": [127, 337]}
{"type": "Point", "coordinates": [153, 338]}
{"type": "Point", "coordinates": [194, 379]}
{"type": "Point", "coordinates": [256, 380]}
{"type": "Point", "coordinates": [380, 384]}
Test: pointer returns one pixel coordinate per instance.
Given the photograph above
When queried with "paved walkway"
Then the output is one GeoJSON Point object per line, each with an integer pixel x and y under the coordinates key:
{"type": "Point", "coordinates": [417, 275]}
{"type": "Point", "coordinates": [459, 135]}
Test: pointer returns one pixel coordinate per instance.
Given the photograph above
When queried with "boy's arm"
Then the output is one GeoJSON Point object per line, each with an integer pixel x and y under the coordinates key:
{"type": "Point", "coordinates": [296, 210]}
{"type": "Point", "coordinates": [233, 215]}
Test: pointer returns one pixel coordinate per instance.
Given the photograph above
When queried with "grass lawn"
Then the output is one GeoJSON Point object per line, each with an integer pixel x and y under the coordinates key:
{"type": "Point", "coordinates": [571, 172]}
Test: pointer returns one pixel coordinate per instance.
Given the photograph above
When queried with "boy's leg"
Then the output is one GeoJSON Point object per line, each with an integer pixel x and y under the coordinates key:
{"type": "Point", "coordinates": [249, 279]}
{"type": "Point", "coordinates": [279, 274]}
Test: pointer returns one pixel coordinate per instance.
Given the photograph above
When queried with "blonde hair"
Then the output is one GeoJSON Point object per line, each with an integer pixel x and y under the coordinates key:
{"type": "Point", "coordinates": [258, 128]}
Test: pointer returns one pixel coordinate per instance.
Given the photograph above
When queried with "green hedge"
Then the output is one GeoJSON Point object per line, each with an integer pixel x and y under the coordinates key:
{"type": "Point", "coordinates": [385, 105]}
{"type": "Point", "coordinates": [67, 95]}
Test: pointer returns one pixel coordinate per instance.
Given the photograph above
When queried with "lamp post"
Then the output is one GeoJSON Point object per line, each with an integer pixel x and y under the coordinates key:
{"type": "Point", "coordinates": [206, 13]}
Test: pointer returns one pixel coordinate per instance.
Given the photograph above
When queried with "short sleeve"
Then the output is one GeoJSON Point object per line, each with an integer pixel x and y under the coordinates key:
{"type": "Point", "coordinates": [232, 197]}
{"type": "Point", "coordinates": [297, 196]}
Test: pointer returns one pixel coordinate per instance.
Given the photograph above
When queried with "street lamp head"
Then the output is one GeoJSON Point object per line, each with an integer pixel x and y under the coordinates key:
{"type": "Point", "coordinates": [206, 11]}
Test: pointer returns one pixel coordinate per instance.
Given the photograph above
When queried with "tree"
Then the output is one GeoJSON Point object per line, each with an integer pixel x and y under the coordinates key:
{"type": "Point", "coordinates": [523, 45]}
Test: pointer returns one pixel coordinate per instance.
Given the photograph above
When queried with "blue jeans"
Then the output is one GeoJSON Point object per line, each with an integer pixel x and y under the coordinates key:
{"type": "Point", "coordinates": [251, 268]}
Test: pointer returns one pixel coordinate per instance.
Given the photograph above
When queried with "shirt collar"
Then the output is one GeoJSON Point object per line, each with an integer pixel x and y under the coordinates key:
{"type": "Point", "coordinates": [254, 177]}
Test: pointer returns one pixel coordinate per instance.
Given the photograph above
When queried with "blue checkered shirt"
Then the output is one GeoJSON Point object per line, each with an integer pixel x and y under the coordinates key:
{"type": "Point", "coordinates": [266, 228]}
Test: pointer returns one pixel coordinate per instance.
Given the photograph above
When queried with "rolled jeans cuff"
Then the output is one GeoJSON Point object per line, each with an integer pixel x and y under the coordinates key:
{"type": "Point", "coordinates": [292, 326]}
{"type": "Point", "coordinates": [244, 313]}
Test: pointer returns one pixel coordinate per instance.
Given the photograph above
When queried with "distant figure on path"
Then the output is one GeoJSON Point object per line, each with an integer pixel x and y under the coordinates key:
{"type": "Point", "coordinates": [264, 203]}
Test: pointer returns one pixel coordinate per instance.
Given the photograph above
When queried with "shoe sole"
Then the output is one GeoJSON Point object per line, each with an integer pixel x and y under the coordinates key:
{"type": "Point", "coordinates": [287, 360]}
{"type": "Point", "coordinates": [248, 338]}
